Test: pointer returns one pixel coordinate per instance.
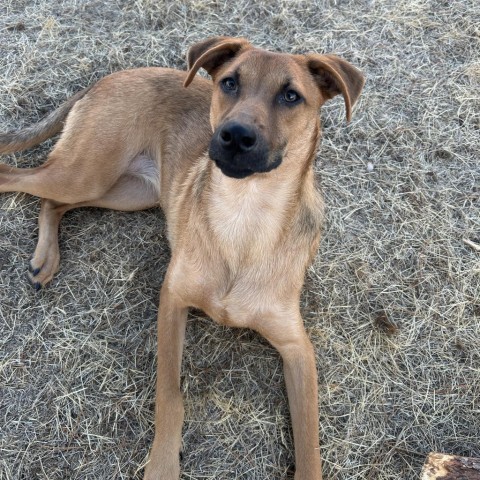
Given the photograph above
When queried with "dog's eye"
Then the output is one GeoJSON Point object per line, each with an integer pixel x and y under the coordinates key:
{"type": "Point", "coordinates": [291, 96]}
{"type": "Point", "coordinates": [229, 84]}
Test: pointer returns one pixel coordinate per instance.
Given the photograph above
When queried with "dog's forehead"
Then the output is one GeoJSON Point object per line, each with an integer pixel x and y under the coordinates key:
{"type": "Point", "coordinates": [268, 69]}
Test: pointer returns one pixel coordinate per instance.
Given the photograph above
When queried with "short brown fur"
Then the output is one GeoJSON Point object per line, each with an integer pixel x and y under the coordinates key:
{"type": "Point", "coordinates": [240, 247]}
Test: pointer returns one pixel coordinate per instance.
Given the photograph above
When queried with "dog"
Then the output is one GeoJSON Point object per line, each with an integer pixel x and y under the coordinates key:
{"type": "Point", "coordinates": [230, 162]}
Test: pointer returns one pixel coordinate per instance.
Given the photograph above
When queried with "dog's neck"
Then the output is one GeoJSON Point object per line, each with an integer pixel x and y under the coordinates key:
{"type": "Point", "coordinates": [249, 215]}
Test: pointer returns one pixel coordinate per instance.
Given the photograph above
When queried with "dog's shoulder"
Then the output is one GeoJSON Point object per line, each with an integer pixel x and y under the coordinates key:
{"type": "Point", "coordinates": [308, 221]}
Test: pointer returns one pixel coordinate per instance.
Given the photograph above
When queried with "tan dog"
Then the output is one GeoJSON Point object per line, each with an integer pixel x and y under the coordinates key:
{"type": "Point", "coordinates": [242, 209]}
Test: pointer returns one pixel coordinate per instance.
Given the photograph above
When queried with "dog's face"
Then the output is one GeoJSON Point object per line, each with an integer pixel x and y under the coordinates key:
{"type": "Point", "coordinates": [261, 103]}
{"type": "Point", "coordinates": [264, 103]}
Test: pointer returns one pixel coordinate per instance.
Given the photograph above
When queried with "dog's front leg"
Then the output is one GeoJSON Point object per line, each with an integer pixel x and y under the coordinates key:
{"type": "Point", "coordinates": [288, 336]}
{"type": "Point", "coordinates": [163, 463]}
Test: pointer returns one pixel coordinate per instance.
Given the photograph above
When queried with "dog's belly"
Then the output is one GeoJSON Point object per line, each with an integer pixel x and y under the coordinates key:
{"type": "Point", "coordinates": [145, 167]}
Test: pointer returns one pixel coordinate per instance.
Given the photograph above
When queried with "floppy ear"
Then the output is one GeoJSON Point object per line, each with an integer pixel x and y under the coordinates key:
{"type": "Point", "coordinates": [335, 75]}
{"type": "Point", "coordinates": [212, 53]}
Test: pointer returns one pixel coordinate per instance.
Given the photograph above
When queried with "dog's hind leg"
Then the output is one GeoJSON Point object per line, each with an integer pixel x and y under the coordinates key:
{"type": "Point", "coordinates": [46, 258]}
{"type": "Point", "coordinates": [50, 180]}
{"type": "Point", "coordinates": [11, 176]}
{"type": "Point", "coordinates": [130, 193]}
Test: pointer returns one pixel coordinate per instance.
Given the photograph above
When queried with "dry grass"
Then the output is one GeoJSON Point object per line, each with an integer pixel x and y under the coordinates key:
{"type": "Point", "coordinates": [392, 302]}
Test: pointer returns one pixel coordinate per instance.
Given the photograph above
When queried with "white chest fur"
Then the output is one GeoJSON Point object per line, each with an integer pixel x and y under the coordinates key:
{"type": "Point", "coordinates": [246, 217]}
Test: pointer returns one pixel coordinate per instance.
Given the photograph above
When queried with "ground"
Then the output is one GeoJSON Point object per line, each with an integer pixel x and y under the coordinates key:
{"type": "Point", "coordinates": [391, 303]}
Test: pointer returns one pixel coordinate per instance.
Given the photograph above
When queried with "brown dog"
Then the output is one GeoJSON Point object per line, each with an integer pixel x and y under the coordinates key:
{"type": "Point", "coordinates": [242, 209]}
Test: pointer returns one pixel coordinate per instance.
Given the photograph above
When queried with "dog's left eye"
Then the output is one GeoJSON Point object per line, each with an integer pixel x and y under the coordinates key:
{"type": "Point", "coordinates": [291, 96]}
{"type": "Point", "coordinates": [229, 84]}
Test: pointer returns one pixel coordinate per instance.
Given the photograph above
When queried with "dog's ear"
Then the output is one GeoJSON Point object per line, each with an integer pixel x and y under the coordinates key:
{"type": "Point", "coordinates": [334, 75]}
{"type": "Point", "coordinates": [212, 54]}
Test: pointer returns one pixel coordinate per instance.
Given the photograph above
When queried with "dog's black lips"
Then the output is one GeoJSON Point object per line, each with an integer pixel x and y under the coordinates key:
{"type": "Point", "coordinates": [233, 172]}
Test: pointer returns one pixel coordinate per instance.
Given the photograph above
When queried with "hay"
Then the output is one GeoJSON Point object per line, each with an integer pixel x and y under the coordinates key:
{"type": "Point", "coordinates": [392, 302]}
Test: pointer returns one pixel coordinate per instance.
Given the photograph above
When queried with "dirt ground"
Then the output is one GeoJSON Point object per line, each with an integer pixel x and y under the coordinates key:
{"type": "Point", "coordinates": [391, 303]}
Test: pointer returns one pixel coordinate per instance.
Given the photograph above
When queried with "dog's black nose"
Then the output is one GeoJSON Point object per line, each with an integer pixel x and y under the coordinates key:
{"type": "Point", "coordinates": [237, 137]}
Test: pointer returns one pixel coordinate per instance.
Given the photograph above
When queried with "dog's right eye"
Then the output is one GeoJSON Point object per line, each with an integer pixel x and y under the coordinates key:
{"type": "Point", "coordinates": [229, 85]}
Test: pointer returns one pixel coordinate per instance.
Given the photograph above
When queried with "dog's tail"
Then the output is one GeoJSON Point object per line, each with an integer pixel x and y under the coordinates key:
{"type": "Point", "coordinates": [38, 133]}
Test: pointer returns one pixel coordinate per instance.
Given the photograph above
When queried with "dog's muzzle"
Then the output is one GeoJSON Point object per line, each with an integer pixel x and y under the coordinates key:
{"type": "Point", "coordinates": [239, 150]}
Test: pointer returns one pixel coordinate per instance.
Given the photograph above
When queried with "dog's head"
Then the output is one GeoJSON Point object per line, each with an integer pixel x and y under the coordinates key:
{"type": "Point", "coordinates": [266, 103]}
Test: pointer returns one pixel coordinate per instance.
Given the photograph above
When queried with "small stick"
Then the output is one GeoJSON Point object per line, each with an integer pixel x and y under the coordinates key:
{"type": "Point", "coordinates": [439, 466]}
{"type": "Point", "coordinates": [474, 245]}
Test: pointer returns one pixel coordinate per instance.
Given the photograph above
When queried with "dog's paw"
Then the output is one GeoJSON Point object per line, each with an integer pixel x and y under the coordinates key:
{"type": "Point", "coordinates": [34, 271]}
{"type": "Point", "coordinates": [42, 269]}
{"type": "Point", "coordinates": [36, 285]}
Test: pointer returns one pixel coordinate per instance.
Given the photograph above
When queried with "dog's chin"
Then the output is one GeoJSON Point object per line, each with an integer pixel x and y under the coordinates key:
{"type": "Point", "coordinates": [232, 171]}
{"type": "Point", "coordinates": [235, 172]}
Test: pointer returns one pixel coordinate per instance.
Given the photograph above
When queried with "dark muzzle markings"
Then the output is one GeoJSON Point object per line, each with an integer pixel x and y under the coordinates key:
{"type": "Point", "coordinates": [240, 150]}
{"type": "Point", "coordinates": [240, 145]}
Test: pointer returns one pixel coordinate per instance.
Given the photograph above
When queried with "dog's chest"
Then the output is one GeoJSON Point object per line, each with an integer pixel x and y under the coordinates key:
{"type": "Point", "coordinates": [233, 299]}
{"type": "Point", "coordinates": [245, 221]}
{"type": "Point", "coordinates": [233, 258]}
{"type": "Point", "coordinates": [233, 294]}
